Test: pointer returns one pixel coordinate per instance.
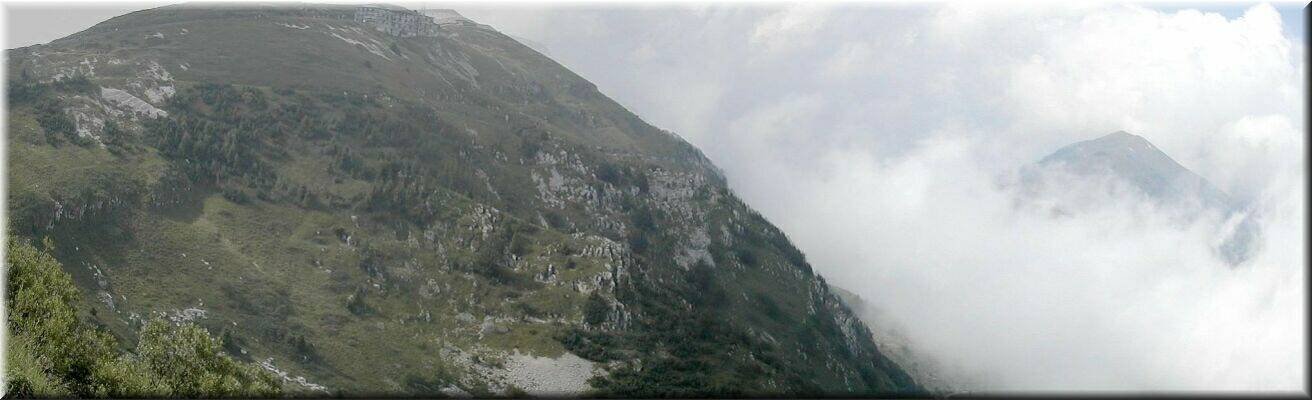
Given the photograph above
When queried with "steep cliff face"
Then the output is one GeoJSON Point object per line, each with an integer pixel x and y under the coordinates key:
{"type": "Point", "coordinates": [368, 201]}
{"type": "Point", "coordinates": [932, 373]}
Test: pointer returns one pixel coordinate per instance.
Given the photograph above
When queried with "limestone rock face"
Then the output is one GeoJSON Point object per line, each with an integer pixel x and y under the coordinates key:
{"type": "Point", "coordinates": [375, 200]}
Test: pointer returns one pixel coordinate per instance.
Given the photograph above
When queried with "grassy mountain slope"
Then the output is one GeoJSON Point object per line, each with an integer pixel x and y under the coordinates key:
{"type": "Point", "coordinates": [368, 213]}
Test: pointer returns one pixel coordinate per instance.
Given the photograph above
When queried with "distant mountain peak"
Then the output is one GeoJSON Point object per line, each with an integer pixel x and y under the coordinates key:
{"type": "Point", "coordinates": [1115, 146]}
{"type": "Point", "coordinates": [1136, 161]}
{"type": "Point", "coordinates": [1128, 140]}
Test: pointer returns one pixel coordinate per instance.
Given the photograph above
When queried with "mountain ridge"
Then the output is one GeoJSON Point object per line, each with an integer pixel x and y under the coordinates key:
{"type": "Point", "coordinates": [408, 214]}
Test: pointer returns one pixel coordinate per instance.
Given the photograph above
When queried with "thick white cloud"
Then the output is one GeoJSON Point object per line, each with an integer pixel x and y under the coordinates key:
{"type": "Point", "coordinates": [876, 137]}
{"type": "Point", "coordinates": [790, 28]}
{"type": "Point", "coordinates": [1116, 298]}
{"type": "Point", "coordinates": [1176, 78]}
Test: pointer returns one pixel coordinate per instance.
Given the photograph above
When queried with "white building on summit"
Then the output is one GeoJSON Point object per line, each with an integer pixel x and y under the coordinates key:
{"type": "Point", "coordinates": [397, 21]}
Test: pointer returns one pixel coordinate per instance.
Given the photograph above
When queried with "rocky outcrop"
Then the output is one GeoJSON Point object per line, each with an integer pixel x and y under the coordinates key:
{"type": "Point", "coordinates": [397, 22]}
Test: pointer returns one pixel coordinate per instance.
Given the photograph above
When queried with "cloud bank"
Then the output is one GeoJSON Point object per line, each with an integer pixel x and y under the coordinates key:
{"type": "Point", "coordinates": [876, 138]}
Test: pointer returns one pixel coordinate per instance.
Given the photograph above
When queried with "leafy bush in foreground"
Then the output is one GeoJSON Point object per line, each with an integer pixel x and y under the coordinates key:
{"type": "Point", "coordinates": [52, 354]}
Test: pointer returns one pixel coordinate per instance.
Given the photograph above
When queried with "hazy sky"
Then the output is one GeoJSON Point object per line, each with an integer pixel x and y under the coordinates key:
{"type": "Point", "coordinates": [35, 23]}
{"type": "Point", "coordinates": [875, 136]}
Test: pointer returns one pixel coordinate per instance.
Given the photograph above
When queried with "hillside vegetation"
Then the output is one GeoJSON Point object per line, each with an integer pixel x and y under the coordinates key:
{"type": "Point", "coordinates": [362, 213]}
{"type": "Point", "coordinates": [52, 353]}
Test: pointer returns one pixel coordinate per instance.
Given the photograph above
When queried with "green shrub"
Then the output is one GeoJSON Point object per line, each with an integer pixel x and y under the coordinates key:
{"type": "Point", "coordinates": [188, 361]}
{"type": "Point", "coordinates": [595, 309]}
{"type": "Point", "coordinates": [52, 354]}
{"type": "Point", "coordinates": [59, 128]}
